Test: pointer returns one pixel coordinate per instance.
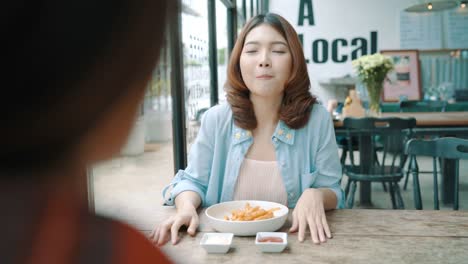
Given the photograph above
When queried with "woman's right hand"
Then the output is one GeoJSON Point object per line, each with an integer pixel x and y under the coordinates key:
{"type": "Point", "coordinates": [169, 229]}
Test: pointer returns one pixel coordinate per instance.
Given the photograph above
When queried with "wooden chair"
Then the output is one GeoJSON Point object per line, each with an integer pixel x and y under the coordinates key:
{"type": "Point", "coordinates": [441, 148]}
{"type": "Point", "coordinates": [387, 134]}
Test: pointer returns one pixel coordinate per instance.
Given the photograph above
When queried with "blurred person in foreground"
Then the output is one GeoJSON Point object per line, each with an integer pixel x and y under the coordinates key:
{"type": "Point", "coordinates": [272, 141]}
{"type": "Point", "coordinates": [74, 75]}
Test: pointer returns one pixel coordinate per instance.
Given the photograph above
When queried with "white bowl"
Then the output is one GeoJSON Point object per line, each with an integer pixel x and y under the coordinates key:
{"type": "Point", "coordinates": [271, 246]}
{"type": "Point", "coordinates": [216, 242]}
{"type": "Point", "coordinates": [216, 213]}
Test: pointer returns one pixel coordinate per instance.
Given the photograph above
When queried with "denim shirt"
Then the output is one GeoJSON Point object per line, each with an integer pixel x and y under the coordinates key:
{"type": "Point", "coordinates": [307, 158]}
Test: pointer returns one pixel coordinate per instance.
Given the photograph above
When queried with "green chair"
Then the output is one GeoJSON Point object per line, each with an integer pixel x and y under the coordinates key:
{"type": "Point", "coordinates": [344, 146]}
{"type": "Point", "coordinates": [441, 148]}
{"type": "Point", "coordinates": [421, 106]}
{"type": "Point", "coordinates": [389, 135]}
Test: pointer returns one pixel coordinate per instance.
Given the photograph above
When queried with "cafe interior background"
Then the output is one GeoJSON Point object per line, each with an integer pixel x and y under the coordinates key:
{"type": "Point", "coordinates": [191, 72]}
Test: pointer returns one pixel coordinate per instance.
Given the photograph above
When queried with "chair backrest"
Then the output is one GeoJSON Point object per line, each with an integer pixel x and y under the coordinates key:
{"type": "Point", "coordinates": [385, 135]}
{"type": "Point", "coordinates": [447, 148]}
{"type": "Point", "coordinates": [423, 106]}
{"type": "Point", "coordinates": [441, 148]}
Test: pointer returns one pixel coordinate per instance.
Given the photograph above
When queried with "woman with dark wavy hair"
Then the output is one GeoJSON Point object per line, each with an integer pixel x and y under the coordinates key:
{"type": "Point", "coordinates": [272, 141]}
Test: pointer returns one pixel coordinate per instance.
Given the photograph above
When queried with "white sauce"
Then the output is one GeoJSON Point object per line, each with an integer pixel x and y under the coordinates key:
{"type": "Point", "coordinates": [216, 240]}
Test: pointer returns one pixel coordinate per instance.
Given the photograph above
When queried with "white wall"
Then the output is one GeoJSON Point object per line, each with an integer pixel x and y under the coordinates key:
{"type": "Point", "coordinates": [343, 19]}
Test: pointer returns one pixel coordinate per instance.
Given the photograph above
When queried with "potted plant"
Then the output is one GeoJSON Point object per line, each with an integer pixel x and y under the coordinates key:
{"type": "Point", "coordinates": [372, 71]}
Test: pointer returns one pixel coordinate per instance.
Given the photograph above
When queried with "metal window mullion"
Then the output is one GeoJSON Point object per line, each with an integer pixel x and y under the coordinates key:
{"type": "Point", "coordinates": [244, 10]}
{"type": "Point", "coordinates": [177, 90]}
{"type": "Point", "coordinates": [231, 24]}
{"type": "Point", "coordinates": [212, 40]}
{"type": "Point", "coordinates": [251, 8]}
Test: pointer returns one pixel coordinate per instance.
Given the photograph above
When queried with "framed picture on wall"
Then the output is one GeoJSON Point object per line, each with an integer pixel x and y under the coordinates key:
{"type": "Point", "coordinates": [404, 81]}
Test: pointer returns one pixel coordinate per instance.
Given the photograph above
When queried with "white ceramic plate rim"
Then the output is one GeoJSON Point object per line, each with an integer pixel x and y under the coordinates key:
{"type": "Point", "coordinates": [283, 210]}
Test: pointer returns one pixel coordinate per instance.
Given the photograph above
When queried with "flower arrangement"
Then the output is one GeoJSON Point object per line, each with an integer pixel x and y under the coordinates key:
{"type": "Point", "coordinates": [372, 71]}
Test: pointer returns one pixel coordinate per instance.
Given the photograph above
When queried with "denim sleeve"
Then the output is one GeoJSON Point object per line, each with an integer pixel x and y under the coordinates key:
{"type": "Point", "coordinates": [328, 163]}
{"type": "Point", "coordinates": [196, 176]}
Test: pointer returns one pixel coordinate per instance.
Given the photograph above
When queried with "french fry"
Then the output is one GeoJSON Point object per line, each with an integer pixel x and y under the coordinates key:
{"type": "Point", "coordinates": [265, 216]}
{"type": "Point", "coordinates": [249, 213]}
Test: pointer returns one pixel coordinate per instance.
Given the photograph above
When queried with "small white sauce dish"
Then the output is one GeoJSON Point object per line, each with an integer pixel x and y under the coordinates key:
{"type": "Point", "coordinates": [216, 242]}
{"type": "Point", "coordinates": [271, 241]}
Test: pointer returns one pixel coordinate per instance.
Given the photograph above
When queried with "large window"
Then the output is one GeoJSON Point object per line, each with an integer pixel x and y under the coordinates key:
{"type": "Point", "coordinates": [196, 65]}
{"type": "Point", "coordinates": [222, 48]}
{"type": "Point", "coordinates": [128, 186]}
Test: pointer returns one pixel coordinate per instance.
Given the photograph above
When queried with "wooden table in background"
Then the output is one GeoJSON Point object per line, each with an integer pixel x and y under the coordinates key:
{"type": "Point", "coordinates": [427, 123]}
{"type": "Point", "coordinates": [359, 236]}
{"type": "Point", "coordinates": [429, 119]}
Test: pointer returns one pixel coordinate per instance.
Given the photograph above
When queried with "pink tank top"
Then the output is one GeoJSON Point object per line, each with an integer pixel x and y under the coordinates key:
{"type": "Point", "coordinates": [260, 180]}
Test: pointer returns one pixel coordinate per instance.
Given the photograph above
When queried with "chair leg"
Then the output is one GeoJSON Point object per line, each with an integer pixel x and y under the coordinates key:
{"type": "Point", "coordinates": [417, 191]}
{"type": "Point", "coordinates": [384, 186]}
{"type": "Point", "coordinates": [347, 188]}
{"type": "Point", "coordinates": [436, 186]}
{"type": "Point", "coordinates": [407, 175]}
{"type": "Point", "coordinates": [406, 180]}
{"type": "Point", "coordinates": [400, 203]}
{"type": "Point", "coordinates": [350, 200]}
{"type": "Point", "coordinates": [392, 196]}
{"type": "Point", "coordinates": [456, 187]}
{"type": "Point", "coordinates": [343, 157]}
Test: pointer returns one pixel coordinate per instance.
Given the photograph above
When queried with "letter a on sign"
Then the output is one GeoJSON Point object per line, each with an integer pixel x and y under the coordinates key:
{"type": "Point", "coordinates": [306, 7]}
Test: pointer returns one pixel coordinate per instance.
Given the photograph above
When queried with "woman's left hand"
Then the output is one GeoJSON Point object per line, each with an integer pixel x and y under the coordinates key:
{"type": "Point", "coordinates": [310, 211]}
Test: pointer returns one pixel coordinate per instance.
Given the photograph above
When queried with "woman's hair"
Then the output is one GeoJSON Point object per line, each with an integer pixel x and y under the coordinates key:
{"type": "Point", "coordinates": [66, 63]}
{"type": "Point", "coordinates": [297, 100]}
